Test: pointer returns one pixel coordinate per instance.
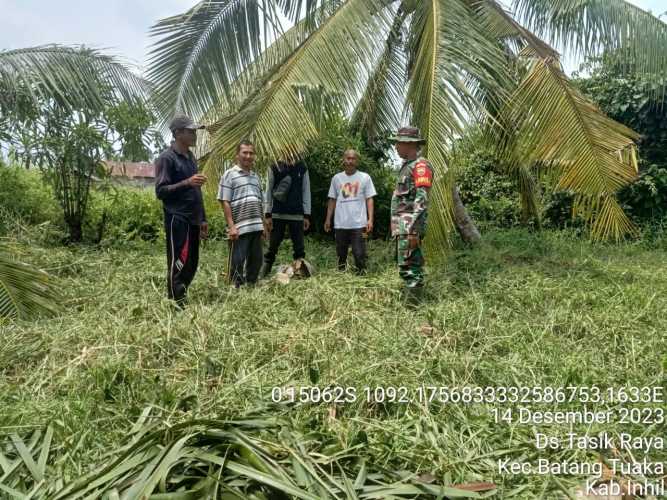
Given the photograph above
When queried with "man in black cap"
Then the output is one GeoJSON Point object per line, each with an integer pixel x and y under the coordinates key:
{"type": "Point", "coordinates": [178, 185]}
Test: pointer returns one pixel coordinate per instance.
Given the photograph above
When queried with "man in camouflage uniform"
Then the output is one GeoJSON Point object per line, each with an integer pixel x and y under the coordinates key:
{"type": "Point", "coordinates": [409, 210]}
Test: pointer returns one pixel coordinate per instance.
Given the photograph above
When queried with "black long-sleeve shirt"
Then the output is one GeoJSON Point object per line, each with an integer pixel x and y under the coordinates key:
{"type": "Point", "coordinates": [172, 169]}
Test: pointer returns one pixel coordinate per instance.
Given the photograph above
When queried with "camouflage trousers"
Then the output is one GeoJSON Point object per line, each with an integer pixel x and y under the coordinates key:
{"type": "Point", "coordinates": [410, 263]}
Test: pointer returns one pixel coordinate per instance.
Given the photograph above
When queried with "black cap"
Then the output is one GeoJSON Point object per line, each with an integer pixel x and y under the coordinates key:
{"type": "Point", "coordinates": [182, 121]}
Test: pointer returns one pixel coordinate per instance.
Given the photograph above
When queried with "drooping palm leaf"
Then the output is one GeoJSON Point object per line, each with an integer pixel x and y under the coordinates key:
{"type": "Point", "coordinates": [203, 50]}
{"type": "Point", "coordinates": [24, 290]}
{"type": "Point", "coordinates": [75, 76]}
{"type": "Point", "coordinates": [200, 54]}
{"type": "Point", "coordinates": [274, 117]}
{"type": "Point", "coordinates": [587, 27]}
{"type": "Point", "coordinates": [463, 63]}
{"type": "Point", "coordinates": [499, 131]}
{"type": "Point", "coordinates": [378, 109]}
{"type": "Point", "coordinates": [593, 153]}
{"type": "Point", "coordinates": [451, 57]}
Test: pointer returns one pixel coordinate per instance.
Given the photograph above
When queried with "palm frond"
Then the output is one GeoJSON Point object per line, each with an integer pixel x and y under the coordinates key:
{"type": "Point", "coordinates": [255, 457]}
{"type": "Point", "coordinates": [274, 116]}
{"type": "Point", "coordinates": [588, 27]}
{"type": "Point", "coordinates": [498, 22]}
{"type": "Point", "coordinates": [378, 109]}
{"type": "Point", "coordinates": [23, 464]}
{"type": "Point", "coordinates": [24, 291]}
{"type": "Point", "coordinates": [593, 154]}
{"type": "Point", "coordinates": [74, 76]}
{"type": "Point", "coordinates": [451, 58]}
{"type": "Point", "coordinates": [248, 83]}
{"type": "Point", "coordinates": [200, 52]}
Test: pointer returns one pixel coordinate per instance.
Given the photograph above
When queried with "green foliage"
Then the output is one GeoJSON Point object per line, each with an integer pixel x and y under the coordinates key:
{"type": "Point", "coordinates": [74, 146]}
{"type": "Point", "coordinates": [115, 213]}
{"type": "Point", "coordinates": [496, 315]}
{"type": "Point", "coordinates": [488, 194]}
{"type": "Point", "coordinates": [131, 126]}
{"type": "Point", "coordinates": [635, 101]}
{"type": "Point", "coordinates": [25, 197]}
{"type": "Point", "coordinates": [324, 159]}
{"type": "Point", "coordinates": [120, 213]}
{"type": "Point", "coordinates": [647, 197]}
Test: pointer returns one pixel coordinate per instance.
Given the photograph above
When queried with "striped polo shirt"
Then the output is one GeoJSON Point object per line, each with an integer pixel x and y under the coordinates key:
{"type": "Point", "coordinates": [244, 193]}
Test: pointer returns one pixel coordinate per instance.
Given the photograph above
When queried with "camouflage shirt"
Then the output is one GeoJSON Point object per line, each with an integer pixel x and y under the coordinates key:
{"type": "Point", "coordinates": [410, 199]}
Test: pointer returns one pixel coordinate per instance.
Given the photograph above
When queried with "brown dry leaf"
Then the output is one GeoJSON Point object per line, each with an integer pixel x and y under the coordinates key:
{"type": "Point", "coordinates": [480, 486]}
{"type": "Point", "coordinates": [332, 413]}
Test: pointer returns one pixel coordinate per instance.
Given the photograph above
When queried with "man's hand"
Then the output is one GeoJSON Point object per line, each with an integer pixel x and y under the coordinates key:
{"type": "Point", "coordinates": [268, 225]}
{"type": "Point", "coordinates": [203, 231]}
{"type": "Point", "coordinates": [369, 227]}
{"type": "Point", "coordinates": [197, 180]}
{"type": "Point", "coordinates": [233, 232]}
{"type": "Point", "coordinates": [306, 224]}
{"type": "Point", "coordinates": [413, 241]}
{"type": "Point", "coordinates": [327, 226]}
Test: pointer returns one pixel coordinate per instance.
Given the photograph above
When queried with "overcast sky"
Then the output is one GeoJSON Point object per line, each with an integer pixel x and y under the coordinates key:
{"type": "Point", "coordinates": [118, 25]}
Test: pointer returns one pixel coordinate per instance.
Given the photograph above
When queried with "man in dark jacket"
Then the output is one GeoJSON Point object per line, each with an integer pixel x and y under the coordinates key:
{"type": "Point", "coordinates": [178, 185]}
{"type": "Point", "coordinates": [287, 206]}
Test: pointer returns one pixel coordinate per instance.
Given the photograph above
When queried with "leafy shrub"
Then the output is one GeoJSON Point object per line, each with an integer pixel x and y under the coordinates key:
{"type": "Point", "coordinates": [646, 198]}
{"type": "Point", "coordinates": [25, 197]}
{"type": "Point", "coordinates": [635, 101]}
{"type": "Point", "coordinates": [122, 214]}
{"type": "Point", "coordinates": [489, 195]}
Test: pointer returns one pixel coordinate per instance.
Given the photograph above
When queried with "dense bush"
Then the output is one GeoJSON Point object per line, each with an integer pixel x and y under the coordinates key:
{"type": "Point", "coordinates": [646, 198]}
{"type": "Point", "coordinates": [635, 101]}
{"type": "Point", "coordinates": [25, 198]}
{"type": "Point", "coordinates": [489, 195]}
{"type": "Point", "coordinates": [121, 213]}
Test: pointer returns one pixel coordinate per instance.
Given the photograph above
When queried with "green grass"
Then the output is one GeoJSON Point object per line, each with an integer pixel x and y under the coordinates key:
{"type": "Point", "coordinates": [523, 309]}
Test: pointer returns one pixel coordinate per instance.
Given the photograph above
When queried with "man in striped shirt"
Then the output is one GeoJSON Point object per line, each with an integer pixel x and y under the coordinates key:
{"type": "Point", "coordinates": [240, 195]}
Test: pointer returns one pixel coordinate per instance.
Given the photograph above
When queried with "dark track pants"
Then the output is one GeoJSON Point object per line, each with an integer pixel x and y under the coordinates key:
{"type": "Point", "coordinates": [355, 238]}
{"type": "Point", "coordinates": [246, 252]}
{"type": "Point", "coordinates": [182, 255]}
{"type": "Point", "coordinates": [278, 234]}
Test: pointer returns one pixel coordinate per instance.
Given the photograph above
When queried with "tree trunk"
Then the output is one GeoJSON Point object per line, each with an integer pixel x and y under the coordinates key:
{"type": "Point", "coordinates": [464, 223]}
{"type": "Point", "coordinates": [75, 231]}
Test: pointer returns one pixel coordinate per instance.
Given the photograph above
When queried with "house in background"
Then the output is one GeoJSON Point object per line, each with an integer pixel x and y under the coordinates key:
{"type": "Point", "coordinates": [141, 174]}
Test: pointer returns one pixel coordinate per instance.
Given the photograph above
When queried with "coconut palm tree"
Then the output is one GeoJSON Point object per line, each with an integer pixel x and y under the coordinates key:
{"type": "Point", "coordinates": [439, 64]}
{"type": "Point", "coordinates": [75, 77]}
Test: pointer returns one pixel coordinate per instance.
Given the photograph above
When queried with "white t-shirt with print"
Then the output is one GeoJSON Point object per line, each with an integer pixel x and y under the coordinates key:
{"type": "Point", "coordinates": [351, 193]}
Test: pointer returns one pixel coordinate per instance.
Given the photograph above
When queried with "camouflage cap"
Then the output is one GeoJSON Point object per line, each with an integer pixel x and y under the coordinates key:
{"type": "Point", "coordinates": [182, 122]}
{"type": "Point", "coordinates": [408, 134]}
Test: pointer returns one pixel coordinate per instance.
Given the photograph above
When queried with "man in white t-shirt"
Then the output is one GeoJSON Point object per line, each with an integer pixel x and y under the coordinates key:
{"type": "Point", "coordinates": [351, 198]}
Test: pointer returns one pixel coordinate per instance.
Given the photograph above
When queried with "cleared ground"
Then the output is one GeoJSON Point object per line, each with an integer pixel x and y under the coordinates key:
{"type": "Point", "coordinates": [524, 309]}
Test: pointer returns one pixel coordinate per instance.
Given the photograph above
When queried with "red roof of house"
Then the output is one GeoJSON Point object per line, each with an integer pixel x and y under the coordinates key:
{"type": "Point", "coordinates": [131, 170]}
